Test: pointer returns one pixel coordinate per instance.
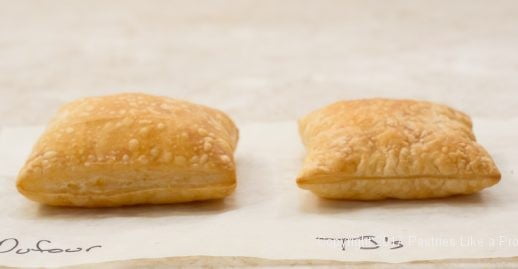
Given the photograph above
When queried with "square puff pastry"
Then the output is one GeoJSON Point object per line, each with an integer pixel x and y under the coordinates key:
{"type": "Point", "coordinates": [131, 149]}
{"type": "Point", "coordinates": [380, 148]}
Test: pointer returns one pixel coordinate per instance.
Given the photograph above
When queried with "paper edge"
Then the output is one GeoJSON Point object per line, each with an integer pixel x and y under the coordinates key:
{"type": "Point", "coordinates": [241, 261]}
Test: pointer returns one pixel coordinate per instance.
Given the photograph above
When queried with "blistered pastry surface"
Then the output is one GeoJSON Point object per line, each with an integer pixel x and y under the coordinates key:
{"type": "Point", "coordinates": [130, 134]}
{"type": "Point", "coordinates": [384, 139]}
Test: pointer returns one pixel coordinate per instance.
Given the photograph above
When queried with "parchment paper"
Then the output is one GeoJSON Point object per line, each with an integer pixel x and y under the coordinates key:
{"type": "Point", "coordinates": [267, 216]}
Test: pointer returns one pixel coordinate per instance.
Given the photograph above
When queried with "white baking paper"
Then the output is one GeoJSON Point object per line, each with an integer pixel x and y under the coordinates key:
{"type": "Point", "coordinates": [267, 216]}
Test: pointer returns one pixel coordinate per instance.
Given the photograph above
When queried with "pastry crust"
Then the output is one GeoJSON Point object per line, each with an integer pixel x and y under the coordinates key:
{"type": "Point", "coordinates": [131, 149]}
{"type": "Point", "coordinates": [381, 148]}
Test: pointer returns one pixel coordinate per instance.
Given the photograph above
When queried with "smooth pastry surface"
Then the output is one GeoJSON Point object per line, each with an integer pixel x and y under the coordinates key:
{"type": "Point", "coordinates": [381, 148]}
{"type": "Point", "coordinates": [131, 149]}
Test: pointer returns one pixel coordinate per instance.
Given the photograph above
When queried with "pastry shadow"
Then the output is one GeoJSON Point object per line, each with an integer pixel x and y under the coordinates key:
{"type": "Point", "coordinates": [197, 208]}
{"type": "Point", "coordinates": [315, 205]}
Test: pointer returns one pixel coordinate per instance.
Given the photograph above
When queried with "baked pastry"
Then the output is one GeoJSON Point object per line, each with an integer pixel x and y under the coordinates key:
{"type": "Point", "coordinates": [131, 149]}
{"type": "Point", "coordinates": [380, 148]}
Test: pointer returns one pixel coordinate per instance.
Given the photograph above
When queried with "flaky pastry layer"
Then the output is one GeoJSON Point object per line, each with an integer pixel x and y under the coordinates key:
{"type": "Point", "coordinates": [353, 146]}
{"type": "Point", "coordinates": [145, 196]}
{"type": "Point", "coordinates": [134, 148]}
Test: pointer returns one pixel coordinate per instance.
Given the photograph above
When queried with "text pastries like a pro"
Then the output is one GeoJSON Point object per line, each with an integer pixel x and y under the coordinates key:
{"type": "Point", "coordinates": [131, 149]}
{"type": "Point", "coordinates": [380, 148]}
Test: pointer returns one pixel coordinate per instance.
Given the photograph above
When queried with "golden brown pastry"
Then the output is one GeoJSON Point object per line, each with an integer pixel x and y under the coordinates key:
{"type": "Point", "coordinates": [131, 149]}
{"type": "Point", "coordinates": [380, 148]}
